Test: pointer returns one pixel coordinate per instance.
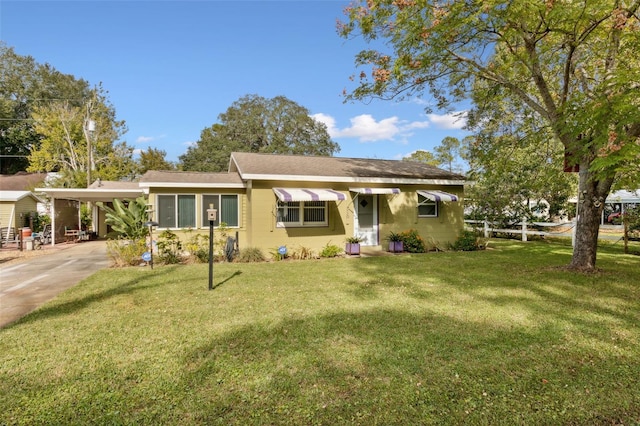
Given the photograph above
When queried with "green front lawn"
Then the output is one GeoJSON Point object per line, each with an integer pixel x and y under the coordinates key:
{"type": "Point", "coordinates": [502, 336]}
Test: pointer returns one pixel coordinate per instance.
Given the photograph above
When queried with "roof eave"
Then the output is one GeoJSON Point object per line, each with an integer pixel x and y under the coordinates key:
{"type": "Point", "coordinates": [192, 185]}
{"type": "Point", "coordinates": [87, 194]}
{"type": "Point", "coordinates": [345, 179]}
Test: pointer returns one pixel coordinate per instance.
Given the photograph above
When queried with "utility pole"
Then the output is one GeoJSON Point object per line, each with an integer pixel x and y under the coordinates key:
{"type": "Point", "coordinates": [90, 127]}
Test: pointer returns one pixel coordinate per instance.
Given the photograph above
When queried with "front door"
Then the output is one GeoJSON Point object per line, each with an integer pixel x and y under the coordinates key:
{"type": "Point", "coordinates": [366, 219]}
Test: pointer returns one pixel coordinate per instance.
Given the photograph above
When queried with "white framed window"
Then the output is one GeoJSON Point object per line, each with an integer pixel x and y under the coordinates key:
{"type": "Point", "coordinates": [302, 213]}
{"type": "Point", "coordinates": [227, 206]}
{"type": "Point", "coordinates": [176, 210]}
{"type": "Point", "coordinates": [427, 207]}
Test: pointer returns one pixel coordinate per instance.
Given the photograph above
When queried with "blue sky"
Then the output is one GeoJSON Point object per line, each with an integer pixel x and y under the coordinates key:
{"type": "Point", "coordinates": [171, 67]}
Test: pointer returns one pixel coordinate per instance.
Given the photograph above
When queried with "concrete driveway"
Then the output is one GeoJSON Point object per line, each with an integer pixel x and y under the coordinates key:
{"type": "Point", "coordinates": [26, 285]}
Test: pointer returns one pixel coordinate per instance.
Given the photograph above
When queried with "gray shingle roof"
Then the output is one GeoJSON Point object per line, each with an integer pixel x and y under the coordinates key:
{"type": "Point", "coordinates": [153, 176]}
{"type": "Point", "coordinates": [252, 164]}
{"type": "Point", "coordinates": [114, 184]}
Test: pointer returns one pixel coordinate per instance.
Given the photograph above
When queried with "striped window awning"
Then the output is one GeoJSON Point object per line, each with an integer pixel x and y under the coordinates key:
{"type": "Point", "coordinates": [375, 190]}
{"type": "Point", "coordinates": [435, 195]}
{"type": "Point", "coordinates": [308, 194]}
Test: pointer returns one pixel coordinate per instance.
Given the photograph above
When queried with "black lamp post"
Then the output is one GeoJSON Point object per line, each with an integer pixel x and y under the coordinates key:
{"type": "Point", "coordinates": [211, 215]}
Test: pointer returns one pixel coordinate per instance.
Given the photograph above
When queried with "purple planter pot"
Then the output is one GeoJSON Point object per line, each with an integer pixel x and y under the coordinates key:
{"type": "Point", "coordinates": [352, 248]}
{"type": "Point", "coordinates": [396, 246]}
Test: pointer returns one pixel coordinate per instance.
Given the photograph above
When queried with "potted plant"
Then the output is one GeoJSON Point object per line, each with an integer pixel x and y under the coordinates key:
{"type": "Point", "coordinates": [353, 245]}
{"type": "Point", "coordinates": [396, 244]}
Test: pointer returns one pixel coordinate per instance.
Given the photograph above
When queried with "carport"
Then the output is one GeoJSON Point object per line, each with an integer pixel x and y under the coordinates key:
{"type": "Point", "coordinates": [65, 203]}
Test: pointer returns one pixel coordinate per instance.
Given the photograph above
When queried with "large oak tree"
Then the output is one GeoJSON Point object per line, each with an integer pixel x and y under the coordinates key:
{"type": "Point", "coordinates": [573, 65]}
{"type": "Point", "coordinates": [257, 124]}
{"type": "Point", "coordinates": [80, 151]}
{"type": "Point", "coordinates": [24, 85]}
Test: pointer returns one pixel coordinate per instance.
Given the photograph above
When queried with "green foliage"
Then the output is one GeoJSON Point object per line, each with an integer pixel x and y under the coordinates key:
{"type": "Point", "coordinates": [421, 156]}
{"type": "Point", "coordinates": [36, 221]}
{"type": "Point", "coordinates": [302, 253]}
{"type": "Point", "coordinates": [467, 241]}
{"type": "Point", "coordinates": [127, 220]}
{"type": "Point", "coordinates": [512, 175]}
{"type": "Point", "coordinates": [447, 152]}
{"type": "Point", "coordinates": [23, 83]}
{"type": "Point", "coordinates": [126, 252]}
{"type": "Point", "coordinates": [251, 255]}
{"type": "Point", "coordinates": [86, 215]}
{"type": "Point", "coordinates": [394, 237]}
{"type": "Point", "coordinates": [197, 247]}
{"type": "Point", "coordinates": [169, 248]}
{"type": "Point", "coordinates": [632, 218]}
{"type": "Point", "coordinates": [256, 124]}
{"type": "Point", "coordinates": [354, 240]}
{"type": "Point", "coordinates": [330, 250]}
{"type": "Point", "coordinates": [276, 255]}
{"type": "Point", "coordinates": [220, 236]}
{"type": "Point", "coordinates": [412, 241]}
{"type": "Point", "coordinates": [631, 222]}
{"type": "Point", "coordinates": [153, 159]}
{"type": "Point", "coordinates": [544, 73]}
{"type": "Point", "coordinates": [66, 141]}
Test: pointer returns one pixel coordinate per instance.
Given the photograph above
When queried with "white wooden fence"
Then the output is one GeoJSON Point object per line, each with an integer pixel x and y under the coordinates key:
{"type": "Point", "coordinates": [488, 229]}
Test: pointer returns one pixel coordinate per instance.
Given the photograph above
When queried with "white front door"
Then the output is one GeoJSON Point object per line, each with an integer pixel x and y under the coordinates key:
{"type": "Point", "coordinates": [366, 219]}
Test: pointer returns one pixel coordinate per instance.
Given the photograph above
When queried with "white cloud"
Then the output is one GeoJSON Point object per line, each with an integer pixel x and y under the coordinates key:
{"type": "Point", "coordinates": [419, 125]}
{"type": "Point", "coordinates": [329, 121]}
{"type": "Point", "coordinates": [365, 128]}
{"type": "Point", "coordinates": [145, 139]}
{"type": "Point", "coordinates": [451, 121]}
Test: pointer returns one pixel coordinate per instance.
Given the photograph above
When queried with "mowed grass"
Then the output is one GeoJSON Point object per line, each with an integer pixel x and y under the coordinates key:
{"type": "Point", "coordinates": [502, 336]}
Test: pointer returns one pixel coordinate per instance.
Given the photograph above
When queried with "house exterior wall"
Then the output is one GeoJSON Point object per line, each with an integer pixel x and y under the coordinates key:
{"type": "Point", "coordinates": [185, 234]}
{"type": "Point", "coordinates": [22, 207]}
{"type": "Point", "coordinates": [258, 216]}
{"type": "Point", "coordinates": [400, 213]}
{"type": "Point", "coordinates": [267, 236]}
{"type": "Point", "coordinates": [396, 213]}
{"type": "Point", "coordinates": [100, 225]}
{"type": "Point", "coordinates": [6, 220]}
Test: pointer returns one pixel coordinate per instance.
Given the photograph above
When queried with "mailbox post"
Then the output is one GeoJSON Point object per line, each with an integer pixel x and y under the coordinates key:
{"type": "Point", "coordinates": [211, 215]}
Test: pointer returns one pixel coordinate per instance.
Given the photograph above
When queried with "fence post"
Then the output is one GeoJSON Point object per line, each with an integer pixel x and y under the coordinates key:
{"type": "Point", "coordinates": [486, 229]}
{"type": "Point", "coordinates": [524, 229]}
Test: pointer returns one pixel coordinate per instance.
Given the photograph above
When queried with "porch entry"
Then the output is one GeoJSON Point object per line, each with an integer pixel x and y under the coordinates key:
{"type": "Point", "coordinates": [366, 218]}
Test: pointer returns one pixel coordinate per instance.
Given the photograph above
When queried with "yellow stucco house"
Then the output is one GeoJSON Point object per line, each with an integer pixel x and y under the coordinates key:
{"type": "Point", "coordinates": [274, 200]}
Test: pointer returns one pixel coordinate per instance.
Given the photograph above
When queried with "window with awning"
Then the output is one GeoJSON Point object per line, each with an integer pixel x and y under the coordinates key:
{"type": "Point", "coordinates": [308, 194]}
{"type": "Point", "coordinates": [378, 191]}
{"type": "Point", "coordinates": [435, 195]}
{"type": "Point", "coordinates": [300, 207]}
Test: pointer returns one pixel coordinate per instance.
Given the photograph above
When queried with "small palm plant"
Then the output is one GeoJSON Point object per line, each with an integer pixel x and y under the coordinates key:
{"type": "Point", "coordinates": [127, 220]}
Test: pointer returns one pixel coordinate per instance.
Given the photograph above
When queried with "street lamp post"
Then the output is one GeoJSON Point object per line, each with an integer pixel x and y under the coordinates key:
{"type": "Point", "coordinates": [211, 215]}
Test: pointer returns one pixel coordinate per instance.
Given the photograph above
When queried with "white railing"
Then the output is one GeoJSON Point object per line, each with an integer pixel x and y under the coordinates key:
{"type": "Point", "coordinates": [487, 228]}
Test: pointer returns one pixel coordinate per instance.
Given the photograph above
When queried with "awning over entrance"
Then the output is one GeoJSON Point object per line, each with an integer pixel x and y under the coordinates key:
{"type": "Point", "coordinates": [375, 190]}
{"type": "Point", "coordinates": [308, 194]}
{"type": "Point", "coordinates": [435, 195]}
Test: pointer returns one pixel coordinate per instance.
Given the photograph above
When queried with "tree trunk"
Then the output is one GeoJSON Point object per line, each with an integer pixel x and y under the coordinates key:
{"type": "Point", "coordinates": [592, 196]}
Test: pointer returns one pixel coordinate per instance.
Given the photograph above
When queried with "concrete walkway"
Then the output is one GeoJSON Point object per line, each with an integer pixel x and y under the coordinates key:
{"type": "Point", "coordinates": [29, 283]}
